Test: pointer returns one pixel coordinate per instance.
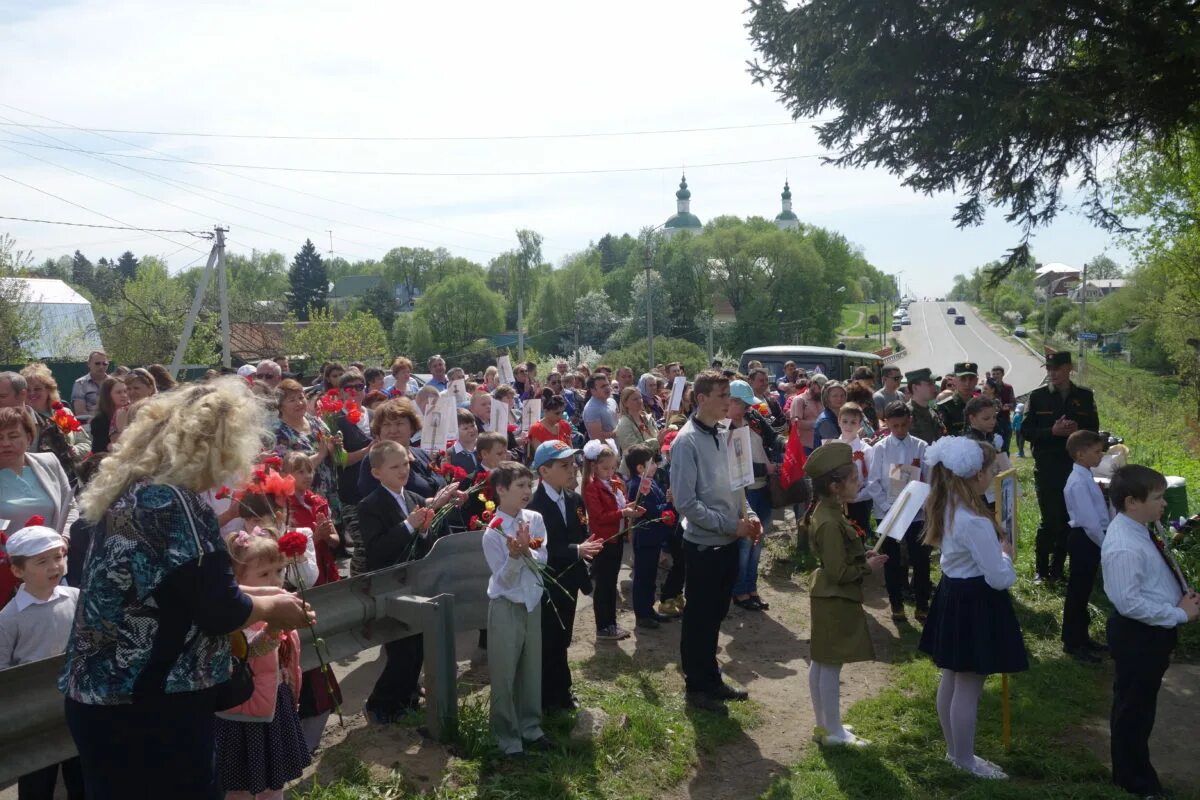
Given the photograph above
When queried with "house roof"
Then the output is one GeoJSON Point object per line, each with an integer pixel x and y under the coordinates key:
{"type": "Point", "coordinates": [50, 290]}
{"type": "Point", "coordinates": [355, 285]}
{"type": "Point", "coordinates": [66, 325]}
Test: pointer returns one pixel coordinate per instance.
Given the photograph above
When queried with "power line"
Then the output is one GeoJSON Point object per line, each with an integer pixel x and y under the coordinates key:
{"type": "Point", "coordinates": [417, 174]}
{"type": "Point", "coordinates": [202, 234]}
{"type": "Point", "coordinates": [492, 138]}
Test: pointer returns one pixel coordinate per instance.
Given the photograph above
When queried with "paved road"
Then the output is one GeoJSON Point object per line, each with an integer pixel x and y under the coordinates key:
{"type": "Point", "coordinates": [934, 341]}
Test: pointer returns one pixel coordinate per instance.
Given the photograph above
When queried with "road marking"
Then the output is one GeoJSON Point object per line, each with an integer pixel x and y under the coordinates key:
{"type": "Point", "coordinates": [950, 331]}
{"type": "Point", "coordinates": [988, 346]}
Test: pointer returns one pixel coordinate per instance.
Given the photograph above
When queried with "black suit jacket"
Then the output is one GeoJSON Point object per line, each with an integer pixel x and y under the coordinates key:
{"type": "Point", "coordinates": [465, 461]}
{"type": "Point", "coordinates": [383, 533]}
{"type": "Point", "coordinates": [563, 539]}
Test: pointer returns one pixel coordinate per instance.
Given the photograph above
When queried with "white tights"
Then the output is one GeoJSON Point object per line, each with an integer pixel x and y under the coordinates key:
{"type": "Point", "coordinates": [825, 684]}
{"type": "Point", "coordinates": [958, 706]}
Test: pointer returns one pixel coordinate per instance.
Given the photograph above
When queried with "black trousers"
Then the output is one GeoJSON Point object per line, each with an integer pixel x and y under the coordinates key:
{"type": "Point", "coordinates": [1049, 479]}
{"type": "Point", "coordinates": [711, 573]}
{"type": "Point", "coordinates": [605, 568]}
{"type": "Point", "coordinates": [1141, 654]}
{"type": "Point", "coordinates": [39, 785]}
{"type": "Point", "coordinates": [895, 573]}
{"type": "Point", "coordinates": [398, 689]}
{"type": "Point", "coordinates": [1085, 562]}
{"type": "Point", "coordinates": [672, 585]}
{"type": "Point", "coordinates": [147, 751]}
{"type": "Point", "coordinates": [558, 625]}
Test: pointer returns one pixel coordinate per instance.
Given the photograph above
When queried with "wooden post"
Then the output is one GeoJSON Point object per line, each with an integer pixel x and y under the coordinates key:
{"type": "Point", "coordinates": [1006, 716]}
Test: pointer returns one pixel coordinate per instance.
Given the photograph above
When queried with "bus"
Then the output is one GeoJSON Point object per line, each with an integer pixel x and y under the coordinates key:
{"type": "Point", "coordinates": [835, 363]}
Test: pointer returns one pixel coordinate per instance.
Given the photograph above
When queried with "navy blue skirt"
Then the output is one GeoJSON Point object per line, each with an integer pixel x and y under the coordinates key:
{"type": "Point", "coordinates": [257, 756]}
{"type": "Point", "coordinates": [973, 628]}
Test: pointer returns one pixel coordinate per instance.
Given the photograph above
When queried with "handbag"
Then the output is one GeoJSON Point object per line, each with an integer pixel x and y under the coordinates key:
{"type": "Point", "coordinates": [240, 686]}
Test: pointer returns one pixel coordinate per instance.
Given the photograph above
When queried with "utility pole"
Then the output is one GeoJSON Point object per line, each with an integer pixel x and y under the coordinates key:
{"type": "Point", "coordinates": [710, 341]}
{"type": "Point", "coordinates": [327, 230]}
{"type": "Point", "coordinates": [217, 253]}
{"type": "Point", "coordinates": [223, 295]}
{"type": "Point", "coordinates": [1083, 321]}
{"type": "Point", "coordinates": [520, 330]}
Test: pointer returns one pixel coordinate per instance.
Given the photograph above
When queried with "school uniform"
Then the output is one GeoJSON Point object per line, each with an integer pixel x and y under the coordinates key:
{"type": "Point", "coordinates": [972, 626]}
{"type": "Point", "coordinates": [1088, 514]}
{"type": "Point", "coordinates": [389, 539]}
{"type": "Point", "coordinates": [564, 519]}
{"type": "Point", "coordinates": [604, 501]}
{"type": "Point", "coordinates": [466, 460]}
{"type": "Point", "coordinates": [648, 541]}
{"type": "Point", "coordinates": [888, 452]}
{"type": "Point", "coordinates": [514, 633]}
{"type": "Point", "coordinates": [839, 624]}
{"type": "Point", "coordinates": [1145, 587]}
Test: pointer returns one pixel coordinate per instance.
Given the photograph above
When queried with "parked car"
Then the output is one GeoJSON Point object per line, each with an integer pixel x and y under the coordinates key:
{"type": "Point", "coordinates": [896, 328]}
{"type": "Point", "coordinates": [960, 320]}
{"type": "Point", "coordinates": [1020, 332]}
{"type": "Point", "coordinates": [906, 321]}
{"type": "Point", "coordinates": [951, 310]}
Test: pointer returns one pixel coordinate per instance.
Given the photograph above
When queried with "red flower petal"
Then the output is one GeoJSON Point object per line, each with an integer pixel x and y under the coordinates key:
{"type": "Point", "coordinates": [36, 519]}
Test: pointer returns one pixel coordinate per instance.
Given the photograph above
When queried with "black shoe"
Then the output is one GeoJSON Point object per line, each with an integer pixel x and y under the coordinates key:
{"type": "Point", "coordinates": [726, 692]}
{"type": "Point", "coordinates": [662, 617]}
{"type": "Point", "coordinates": [647, 622]}
{"type": "Point", "coordinates": [540, 745]}
{"type": "Point", "coordinates": [1082, 654]}
{"type": "Point", "coordinates": [748, 603]}
{"type": "Point", "coordinates": [1096, 647]}
{"type": "Point", "coordinates": [762, 604]}
{"type": "Point", "coordinates": [707, 702]}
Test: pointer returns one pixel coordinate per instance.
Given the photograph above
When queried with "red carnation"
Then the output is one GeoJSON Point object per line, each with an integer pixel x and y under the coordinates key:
{"type": "Point", "coordinates": [223, 493]}
{"type": "Point", "coordinates": [36, 519]}
{"type": "Point", "coordinates": [486, 515]}
{"type": "Point", "coordinates": [279, 485]}
{"type": "Point", "coordinates": [456, 473]}
{"type": "Point", "coordinates": [353, 413]}
{"type": "Point", "coordinates": [474, 524]}
{"type": "Point", "coordinates": [273, 462]}
{"type": "Point", "coordinates": [536, 543]}
{"type": "Point", "coordinates": [496, 522]}
{"type": "Point", "coordinates": [512, 428]}
{"type": "Point", "coordinates": [56, 405]}
{"type": "Point", "coordinates": [293, 544]}
{"type": "Point", "coordinates": [668, 517]}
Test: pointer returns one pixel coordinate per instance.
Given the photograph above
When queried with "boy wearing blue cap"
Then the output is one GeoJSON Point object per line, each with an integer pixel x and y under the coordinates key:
{"type": "Point", "coordinates": [568, 550]}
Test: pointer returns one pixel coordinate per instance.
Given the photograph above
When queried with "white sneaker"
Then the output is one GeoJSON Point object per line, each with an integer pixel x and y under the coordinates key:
{"type": "Point", "coordinates": [980, 768]}
{"type": "Point", "coordinates": [847, 739]}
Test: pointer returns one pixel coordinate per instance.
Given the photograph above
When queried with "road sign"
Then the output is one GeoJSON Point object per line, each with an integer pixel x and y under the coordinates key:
{"type": "Point", "coordinates": [1086, 336]}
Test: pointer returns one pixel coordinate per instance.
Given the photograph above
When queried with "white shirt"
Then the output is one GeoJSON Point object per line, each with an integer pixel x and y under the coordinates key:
{"type": "Point", "coordinates": [888, 452]}
{"type": "Point", "coordinates": [1137, 578]}
{"type": "Point", "coordinates": [970, 548]}
{"type": "Point", "coordinates": [1086, 505]}
{"type": "Point", "coordinates": [512, 578]}
{"type": "Point", "coordinates": [557, 498]}
{"type": "Point", "coordinates": [864, 465]}
{"type": "Point", "coordinates": [399, 496]}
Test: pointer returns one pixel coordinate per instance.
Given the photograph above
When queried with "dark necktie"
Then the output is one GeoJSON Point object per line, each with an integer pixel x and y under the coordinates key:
{"type": "Point", "coordinates": [1161, 546]}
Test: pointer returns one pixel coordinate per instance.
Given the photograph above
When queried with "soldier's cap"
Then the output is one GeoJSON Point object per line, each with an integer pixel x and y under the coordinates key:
{"type": "Point", "coordinates": [1059, 359]}
{"type": "Point", "coordinates": [965, 368]}
{"type": "Point", "coordinates": [828, 457]}
{"type": "Point", "coordinates": [923, 375]}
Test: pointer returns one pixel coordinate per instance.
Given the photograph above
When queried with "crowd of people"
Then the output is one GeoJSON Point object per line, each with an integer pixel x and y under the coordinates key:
{"type": "Point", "coordinates": [156, 533]}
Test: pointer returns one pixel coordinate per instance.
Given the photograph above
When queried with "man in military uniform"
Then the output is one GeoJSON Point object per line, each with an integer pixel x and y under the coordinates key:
{"type": "Point", "coordinates": [953, 409]}
{"type": "Point", "coordinates": [1054, 412]}
{"type": "Point", "coordinates": [926, 423]}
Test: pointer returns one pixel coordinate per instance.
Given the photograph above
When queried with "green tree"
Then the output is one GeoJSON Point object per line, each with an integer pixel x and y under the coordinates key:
{"type": "Point", "coordinates": [308, 281]}
{"type": "Point", "coordinates": [143, 321]}
{"type": "Point", "coordinates": [83, 273]}
{"type": "Point", "coordinates": [380, 303]}
{"type": "Point", "coordinates": [460, 310]}
{"type": "Point", "coordinates": [594, 320]}
{"type": "Point", "coordinates": [20, 321]}
{"type": "Point", "coordinates": [666, 349]}
{"type": "Point", "coordinates": [998, 103]}
{"type": "Point", "coordinates": [1102, 268]}
{"type": "Point", "coordinates": [127, 266]}
{"type": "Point", "coordinates": [358, 337]}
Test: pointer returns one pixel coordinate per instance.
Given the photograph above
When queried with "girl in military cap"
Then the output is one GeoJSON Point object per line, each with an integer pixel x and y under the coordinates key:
{"type": "Point", "coordinates": [839, 625]}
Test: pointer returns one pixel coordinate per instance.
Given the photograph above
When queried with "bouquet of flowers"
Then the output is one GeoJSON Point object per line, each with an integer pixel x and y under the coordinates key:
{"type": "Point", "coordinates": [292, 545]}
{"type": "Point", "coordinates": [329, 405]}
{"type": "Point", "coordinates": [64, 419]}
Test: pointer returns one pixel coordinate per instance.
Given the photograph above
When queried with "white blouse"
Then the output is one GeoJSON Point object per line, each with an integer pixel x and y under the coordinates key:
{"type": "Point", "coordinates": [970, 548]}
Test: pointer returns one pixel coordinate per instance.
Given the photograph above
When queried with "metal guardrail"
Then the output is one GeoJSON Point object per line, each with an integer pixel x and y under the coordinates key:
{"type": "Point", "coordinates": [434, 596]}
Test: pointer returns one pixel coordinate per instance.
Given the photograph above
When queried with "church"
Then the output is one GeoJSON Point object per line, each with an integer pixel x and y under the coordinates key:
{"type": "Point", "coordinates": [684, 220]}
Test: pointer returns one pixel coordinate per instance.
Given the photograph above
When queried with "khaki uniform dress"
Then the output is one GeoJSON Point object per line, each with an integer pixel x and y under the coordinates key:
{"type": "Point", "coordinates": [839, 624]}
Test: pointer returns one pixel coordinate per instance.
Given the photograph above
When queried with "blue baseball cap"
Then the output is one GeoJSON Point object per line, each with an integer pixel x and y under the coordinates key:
{"type": "Point", "coordinates": [551, 451]}
{"type": "Point", "coordinates": [740, 390]}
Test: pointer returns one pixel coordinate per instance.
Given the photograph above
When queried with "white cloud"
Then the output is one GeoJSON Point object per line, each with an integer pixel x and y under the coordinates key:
{"type": "Point", "coordinates": [461, 69]}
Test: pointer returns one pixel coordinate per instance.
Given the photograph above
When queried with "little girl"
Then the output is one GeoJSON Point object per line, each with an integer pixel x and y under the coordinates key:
{"type": "Point", "coordinates": [850, 421]}
{"type": "Point", "coordinates": [608, 515]}
{"type": "Point", "coordinates": [839, 625]}
{"type": "Point", "coordinates": [260, 746]}
{"type": "Point", "coordinates": [307, 510]}
{"type": "Point", "coordinates": [981, 426]}
{"type": "Point", "coordinates": [972, 630]}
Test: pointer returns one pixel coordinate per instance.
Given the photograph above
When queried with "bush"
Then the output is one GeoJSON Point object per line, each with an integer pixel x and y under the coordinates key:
{"type": "Point", "coordinates": [873, 319]}
{"type": "Point", "coordinates": [666, 350]}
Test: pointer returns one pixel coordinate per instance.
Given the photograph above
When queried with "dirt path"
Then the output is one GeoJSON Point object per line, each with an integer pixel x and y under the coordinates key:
{"type": "Point", "coordinates": [765, 652]}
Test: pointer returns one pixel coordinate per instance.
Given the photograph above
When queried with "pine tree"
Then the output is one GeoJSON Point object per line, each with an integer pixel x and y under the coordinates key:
{"type": "Point", "coordinates": [82, 271]}
{"type": "Point", "coordinates": [309, 282]}
{"type": "Point", "coordinates": [127, 266]}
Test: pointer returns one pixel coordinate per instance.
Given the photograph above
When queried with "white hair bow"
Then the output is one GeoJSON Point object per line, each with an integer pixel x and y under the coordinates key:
{"type": "Point", "coordinates": [960, 455]}
{"type": "Point", "coordinates": [593, 449]}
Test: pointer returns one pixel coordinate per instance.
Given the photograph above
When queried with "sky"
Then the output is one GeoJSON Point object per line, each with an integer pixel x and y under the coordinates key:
{"type": "Point", "coordinates": [459, 75]}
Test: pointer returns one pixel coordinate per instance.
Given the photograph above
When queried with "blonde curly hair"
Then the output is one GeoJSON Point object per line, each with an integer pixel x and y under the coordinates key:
{"type": "Point", "coordinates": [199, 437]}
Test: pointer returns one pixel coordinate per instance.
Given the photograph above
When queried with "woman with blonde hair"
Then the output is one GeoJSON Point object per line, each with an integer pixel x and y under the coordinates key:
{"type": "Point", "coordinates": [635, 426]}
{"type": "Point", "coordinates": [149, 658]}
{"type": "Point", "coordinates": [972, 630]}
{"type": "Point", "coordinates": [69, 446]}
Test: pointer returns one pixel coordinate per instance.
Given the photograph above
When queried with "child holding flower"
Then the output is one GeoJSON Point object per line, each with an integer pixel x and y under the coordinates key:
{"type": "Point", "coordinates": [650, 536]}
{"type": "Point", "coordinates": [513, 547]}
{"type": "Point", "coordinates": [609, 512]}
{"type": "Point", "coordinates": [260, 745]}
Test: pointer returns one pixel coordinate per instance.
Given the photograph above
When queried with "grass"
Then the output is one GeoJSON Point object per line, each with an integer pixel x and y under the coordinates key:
{"type": "Point", "coordinates": [1047, 702]}
{"type": "Point", "coordinates": [650, 744]}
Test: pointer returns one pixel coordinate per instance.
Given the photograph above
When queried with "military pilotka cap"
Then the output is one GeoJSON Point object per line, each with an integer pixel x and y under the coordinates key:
{"type": "Point", "coordinates": [964, 368]}
{"type": "Point", "coordinates": [828, 457]}
{"type": "Point", "coordinates": [919, 376]}
{"type": "Point", "coordinates": [1059, 359]}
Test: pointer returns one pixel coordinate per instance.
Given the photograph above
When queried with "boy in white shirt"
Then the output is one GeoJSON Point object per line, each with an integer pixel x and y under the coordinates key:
{"type": "Point", "coordinates": [897, 459]}
{"type": "Point", "coordinates": [1150, 601]}
{"type": "Point", "coordinates": [850, 420]}
{"type": "Point", "coordinates": [36, 624]}
{"type": "Point", "coordinates": [513, 544]}
{"type": "Point", "coordinates": [1089, 516]}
